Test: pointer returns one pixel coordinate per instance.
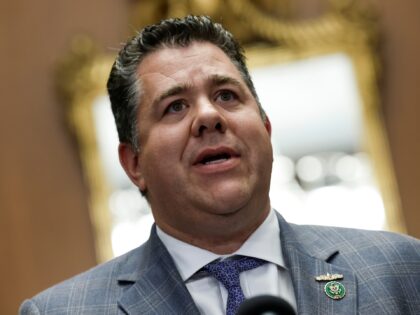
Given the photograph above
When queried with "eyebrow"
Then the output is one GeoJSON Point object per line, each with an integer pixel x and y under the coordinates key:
{"type": "Point", "coordinates": [216, 80]}
{"type": "Point", "coordinates": [177, 89]}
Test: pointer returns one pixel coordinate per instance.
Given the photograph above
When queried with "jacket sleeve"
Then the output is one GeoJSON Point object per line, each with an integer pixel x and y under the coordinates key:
{"type": "Point", "coordinates": [28, 307]}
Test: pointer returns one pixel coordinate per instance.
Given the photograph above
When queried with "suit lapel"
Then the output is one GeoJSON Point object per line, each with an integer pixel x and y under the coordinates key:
{"type": "Point", "coordinates": [306, 257]}
{"type": "Point", "coordinates": [153, 283]}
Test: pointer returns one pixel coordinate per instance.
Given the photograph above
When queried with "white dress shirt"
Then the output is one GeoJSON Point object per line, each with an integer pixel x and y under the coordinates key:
{"type": "Point", "coordinates": [210, 295]}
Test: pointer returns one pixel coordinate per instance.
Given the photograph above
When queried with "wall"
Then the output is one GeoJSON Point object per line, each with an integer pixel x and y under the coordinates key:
{"type": "Point", "coordinates": [45, 234]}
{"type": "Point", "coordinates": [400, 22]}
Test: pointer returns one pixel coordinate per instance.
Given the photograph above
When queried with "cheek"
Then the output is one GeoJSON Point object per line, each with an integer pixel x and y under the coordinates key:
{"type": "Point", "coordinates": [164, 145]}
{"type": "Point", "coordinates": [259, 145]}
{"type": "Point", "coordinates": [254, 130]}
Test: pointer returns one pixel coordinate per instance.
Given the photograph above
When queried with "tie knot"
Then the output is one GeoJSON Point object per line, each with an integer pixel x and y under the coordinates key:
{"type": "Point", "coordinates": [227, 271]}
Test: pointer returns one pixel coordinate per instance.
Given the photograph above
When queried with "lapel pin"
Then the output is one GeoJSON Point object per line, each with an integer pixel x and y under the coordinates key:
{"type": "Point", "coordinates": [334, 290]}
{"type": "Point", "coordinates": [329, 277]}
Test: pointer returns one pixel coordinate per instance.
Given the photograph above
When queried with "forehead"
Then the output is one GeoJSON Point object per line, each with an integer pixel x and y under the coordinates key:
{"type": "Point", "coordinates": [192, 64]}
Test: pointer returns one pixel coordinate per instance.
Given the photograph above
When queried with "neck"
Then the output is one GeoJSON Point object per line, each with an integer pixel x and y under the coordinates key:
{"type": "Point", "coordinates": [223, 234]}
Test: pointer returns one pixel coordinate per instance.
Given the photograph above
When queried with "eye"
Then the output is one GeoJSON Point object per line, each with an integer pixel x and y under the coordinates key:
{"type": "Point", "coordinates": [226, 96]}
{"type": "Point", "coordinates": [175, 107]}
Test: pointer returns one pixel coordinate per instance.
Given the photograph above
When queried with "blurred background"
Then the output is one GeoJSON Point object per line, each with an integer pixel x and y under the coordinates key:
{"type": "Point", "coordinates": [48, 228]}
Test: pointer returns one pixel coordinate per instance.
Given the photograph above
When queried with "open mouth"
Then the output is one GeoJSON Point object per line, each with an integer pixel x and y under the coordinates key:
{"type": "Point", "coordinates": [215, 156]}
{"type": "Point", "coordinates": [214, 159]}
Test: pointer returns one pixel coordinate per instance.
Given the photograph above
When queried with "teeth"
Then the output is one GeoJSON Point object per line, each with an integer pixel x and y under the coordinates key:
{"type": "Point", "coordinates": [215, 161]}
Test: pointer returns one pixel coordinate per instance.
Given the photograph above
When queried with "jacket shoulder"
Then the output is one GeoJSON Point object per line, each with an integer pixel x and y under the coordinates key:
{"type": "Point", "coordinates": [94, 291]}
{"type": "Point", "coordinates": [366, 245]}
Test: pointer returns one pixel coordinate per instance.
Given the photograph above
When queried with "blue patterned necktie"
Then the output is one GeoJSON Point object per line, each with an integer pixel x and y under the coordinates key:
{"type": "Point", "coordinates": [227, 273]}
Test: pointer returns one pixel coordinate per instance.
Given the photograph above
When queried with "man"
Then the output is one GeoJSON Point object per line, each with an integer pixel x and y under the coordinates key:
{"type": "Point", "coordinates": [196, 141]}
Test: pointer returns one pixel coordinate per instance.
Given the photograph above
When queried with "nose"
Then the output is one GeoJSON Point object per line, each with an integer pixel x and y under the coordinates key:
{"type": "Point", "coordinates": [208, 118]}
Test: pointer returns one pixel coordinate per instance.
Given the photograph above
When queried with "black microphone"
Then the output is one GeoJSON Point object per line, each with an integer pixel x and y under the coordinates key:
{"type": "Point", "coordinates": [265, 305]}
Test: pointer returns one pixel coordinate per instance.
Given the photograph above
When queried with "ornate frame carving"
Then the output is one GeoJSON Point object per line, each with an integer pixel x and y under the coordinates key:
{"type": "Point", "coordinates": [81, 78]}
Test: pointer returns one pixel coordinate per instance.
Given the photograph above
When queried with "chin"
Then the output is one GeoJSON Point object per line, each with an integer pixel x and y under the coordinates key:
{"type": "Point", "coordinates": [229, 199]}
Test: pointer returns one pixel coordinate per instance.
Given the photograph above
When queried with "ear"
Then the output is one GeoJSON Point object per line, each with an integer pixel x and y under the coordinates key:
{"type": "Point", "coordinates": [130, 161]}
{"type": "Point", "coordinates": [267, 124]}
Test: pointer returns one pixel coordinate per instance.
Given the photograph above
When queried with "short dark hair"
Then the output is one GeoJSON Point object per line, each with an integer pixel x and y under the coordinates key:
{"type": "Point", "coordinates": [124, 86]}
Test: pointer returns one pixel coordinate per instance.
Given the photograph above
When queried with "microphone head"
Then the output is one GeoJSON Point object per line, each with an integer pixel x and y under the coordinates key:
{"type": "Point", "coordinates": [265, 305]}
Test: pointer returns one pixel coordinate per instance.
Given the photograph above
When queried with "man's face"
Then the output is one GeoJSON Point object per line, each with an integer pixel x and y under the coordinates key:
{"type": "Point", "coordinates": [205, 153]}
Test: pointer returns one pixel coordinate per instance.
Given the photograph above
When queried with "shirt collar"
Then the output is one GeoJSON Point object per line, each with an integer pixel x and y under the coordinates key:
{"type": "Point", "coordinates": [264, 243]}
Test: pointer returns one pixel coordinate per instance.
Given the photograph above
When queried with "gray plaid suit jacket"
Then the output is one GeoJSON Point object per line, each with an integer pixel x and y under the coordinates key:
{"type": "Point", "coordinates": [381, 276]}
